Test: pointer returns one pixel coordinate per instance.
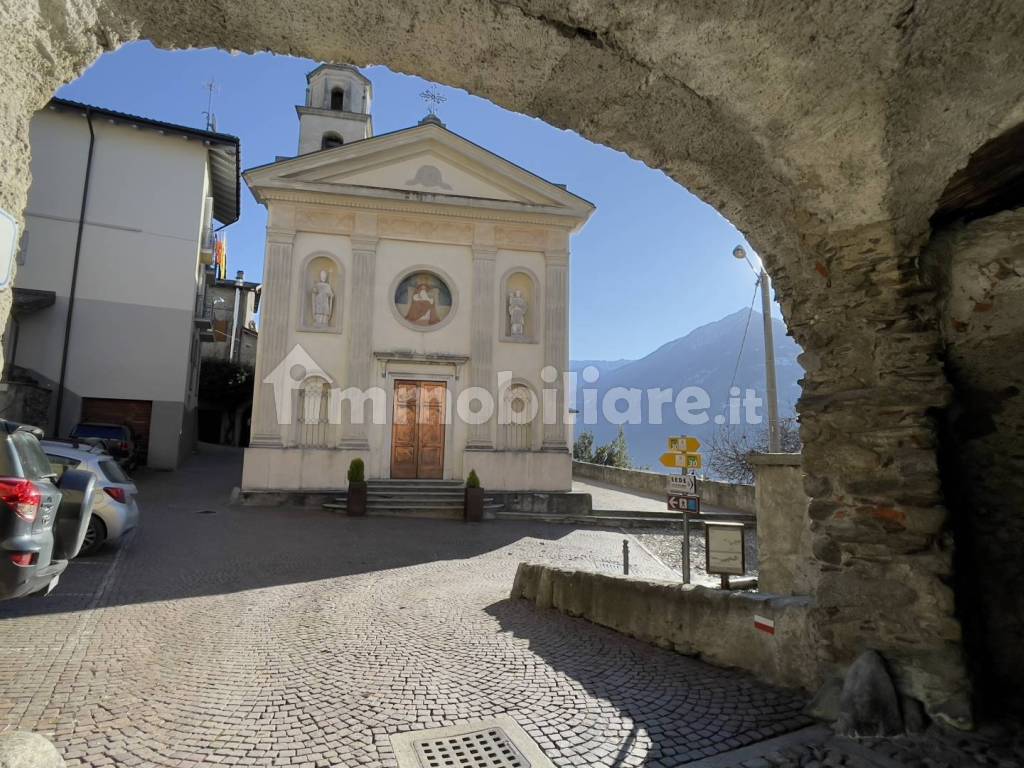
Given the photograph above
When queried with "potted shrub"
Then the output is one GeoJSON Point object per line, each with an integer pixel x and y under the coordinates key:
{"type": "Point", "coordinates": [474, 498]}
{"type": "Point", "coordinates": [356, 506]}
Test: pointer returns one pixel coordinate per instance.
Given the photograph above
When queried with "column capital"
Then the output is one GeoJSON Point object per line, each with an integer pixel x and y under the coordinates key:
{"type": "Point", "coordinates": [364, 243]}
{"type": "Point", "coordinates": [556, 257]}
{"type": "Point", "coordinates": [280, 236]}
{"type": "Point", "coordinates": [485, 252]}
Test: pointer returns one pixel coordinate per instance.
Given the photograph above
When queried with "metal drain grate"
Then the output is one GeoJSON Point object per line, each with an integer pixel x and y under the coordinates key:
{"type": "Point", "coordinates": [489, 748]}
{"type": "Point", "coordinates": [497, 742]}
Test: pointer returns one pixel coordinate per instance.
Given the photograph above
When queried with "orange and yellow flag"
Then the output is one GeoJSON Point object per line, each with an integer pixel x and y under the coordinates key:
{"type": "Point", "coordinates": [220, 256]}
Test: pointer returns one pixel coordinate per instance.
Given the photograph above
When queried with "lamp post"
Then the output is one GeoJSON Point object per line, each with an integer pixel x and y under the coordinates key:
{"type": "Point", "coordinates": [774, 441]}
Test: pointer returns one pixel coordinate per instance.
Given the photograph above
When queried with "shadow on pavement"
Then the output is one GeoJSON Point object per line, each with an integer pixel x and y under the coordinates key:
{"type": "Point", "coordinates": [191, 542]}
{"type": "Point", "coordinates": [688, 709]}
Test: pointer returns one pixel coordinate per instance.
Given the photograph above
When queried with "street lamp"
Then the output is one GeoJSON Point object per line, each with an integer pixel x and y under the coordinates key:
{"type": "Point", "coordinates": [774, 440]}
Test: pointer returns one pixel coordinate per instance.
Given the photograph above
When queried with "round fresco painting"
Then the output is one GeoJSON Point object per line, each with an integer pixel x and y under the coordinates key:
{"type": "Point", "coordinates": [423, 299]}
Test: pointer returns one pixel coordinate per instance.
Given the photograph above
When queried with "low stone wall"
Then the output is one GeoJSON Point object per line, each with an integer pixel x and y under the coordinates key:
{"type": "Point", "coordinates": [558, 504]}
{"type": "Point", "coordinates": [716, 625]}
{"type": "Point", "coordinates": [282, 498]}
{"type": "Point", "coordinates": [713, 493]}
{"type": "Point", "coordinates": [25, 403]}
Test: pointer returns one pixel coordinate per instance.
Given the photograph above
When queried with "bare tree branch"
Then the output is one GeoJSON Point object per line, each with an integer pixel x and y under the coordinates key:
{"type": "Point", "coordinates": [731, 445]}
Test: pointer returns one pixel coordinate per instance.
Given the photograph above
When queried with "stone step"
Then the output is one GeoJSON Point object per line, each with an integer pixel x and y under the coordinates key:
{"type": "Point", "coordinates": [413, 499]}
{"type": "Point", "coordinates": [415, 483]}
{"type": "Point", "coordinates": [491, 511]}
{"type": "Point", "coordinates": [410, 505]}
{"type": "Point", "coordinates": [612, 520]}
{"type": "Point", "coordinates": [424, 493]}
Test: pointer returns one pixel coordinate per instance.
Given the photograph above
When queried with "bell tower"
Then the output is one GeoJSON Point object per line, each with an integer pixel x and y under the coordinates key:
{"type": "Point", "coordinates": [337, 108]}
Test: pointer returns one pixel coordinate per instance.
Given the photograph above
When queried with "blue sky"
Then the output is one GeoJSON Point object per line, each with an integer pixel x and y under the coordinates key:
{"type": "Point", "coordinates": [653, 263]}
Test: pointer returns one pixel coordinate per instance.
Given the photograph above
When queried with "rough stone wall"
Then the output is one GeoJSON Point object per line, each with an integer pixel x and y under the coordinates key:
{"type": "Point", "coordinates": [728, 495]}
{"type": "Point", "coordinates": [825, 132]}
{"type": "Point", "coordinates": [26, 403]}
{"type": "Point", "coordinates": [879, 526]}
{"type": "Point", "coordinates": [979, 268]}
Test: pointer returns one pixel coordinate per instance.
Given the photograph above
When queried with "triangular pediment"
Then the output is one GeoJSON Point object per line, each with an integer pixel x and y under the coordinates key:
{"type": "Point", "coordinates": [426, 162]}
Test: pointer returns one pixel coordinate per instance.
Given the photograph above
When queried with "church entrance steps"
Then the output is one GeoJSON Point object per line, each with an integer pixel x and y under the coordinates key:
{"type": "Point", "coordinates": [414, 498]}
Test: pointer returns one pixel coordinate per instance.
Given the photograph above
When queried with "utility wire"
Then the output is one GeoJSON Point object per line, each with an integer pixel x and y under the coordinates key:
{"type": "Point", "coordinates": [750, 312]}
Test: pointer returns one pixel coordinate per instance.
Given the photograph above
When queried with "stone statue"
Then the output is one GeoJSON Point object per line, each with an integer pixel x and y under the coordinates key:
{"type": "Point", "coordinates": [517, 306]}
{"type": "Point", "coordinates": [323, 300]}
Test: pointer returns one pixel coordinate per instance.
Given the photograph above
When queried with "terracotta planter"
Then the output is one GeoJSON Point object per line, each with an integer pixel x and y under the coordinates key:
{"type": "Point", "coordinates": [474, 505]}
{"type": "Point", "coordinates": [356, 501]}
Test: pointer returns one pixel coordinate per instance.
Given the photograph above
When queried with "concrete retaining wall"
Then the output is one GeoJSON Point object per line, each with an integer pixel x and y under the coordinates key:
{"type": "Point", "coordinates": [713, 493]}
{"type": "Point", "coordinates": [715, 625]}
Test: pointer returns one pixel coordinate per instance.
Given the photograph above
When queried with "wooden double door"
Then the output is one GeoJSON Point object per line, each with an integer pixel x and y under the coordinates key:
{"type": "Point", "coordinates": [417, 430]}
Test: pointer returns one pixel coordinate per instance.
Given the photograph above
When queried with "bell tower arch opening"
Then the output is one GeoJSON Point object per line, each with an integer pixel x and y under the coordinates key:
{"type": "Point", "coordinates": [337, 108]}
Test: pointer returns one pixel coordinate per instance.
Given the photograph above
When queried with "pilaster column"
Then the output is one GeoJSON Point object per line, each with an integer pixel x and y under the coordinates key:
{"type": "Point", "coordinates": [481, 349]}
{"type": "Point", "coordinates": [271, 346]}
{"type": "Point", "coordinates": [556, 341]}
{"type": "Point", "coordinates": [360, 348]}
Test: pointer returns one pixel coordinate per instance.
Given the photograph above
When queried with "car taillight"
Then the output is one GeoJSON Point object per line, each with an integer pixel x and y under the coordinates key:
{"type": "Point", "coordinates": [124, 446]}
{"type": "Point", "coordinates": [117, 494]}
{"type": "Point", "coordinates": [22, 496]}
{"type": "Point", "coordinates": [24, 559]}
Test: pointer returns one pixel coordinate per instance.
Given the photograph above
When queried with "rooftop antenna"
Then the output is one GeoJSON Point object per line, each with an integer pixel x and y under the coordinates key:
{"type": "Point", "coordinates": [211, 119]}
{"type": "Point", "coordinates": [433, 98]}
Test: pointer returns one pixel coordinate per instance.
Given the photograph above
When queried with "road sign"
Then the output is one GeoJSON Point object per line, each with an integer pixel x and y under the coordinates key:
{"type": "Point", "coordinates": [681, 460]}
{"type": "Point", "coordinates": [683, 503]}
{"type": "Point", "coordinates": [684, 444]}
{"type": "Point", "coordinates": [684, 484]}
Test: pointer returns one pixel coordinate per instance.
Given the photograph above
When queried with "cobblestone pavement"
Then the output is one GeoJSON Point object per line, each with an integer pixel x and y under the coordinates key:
{"type": "Point", "coordinates": [289, 636]}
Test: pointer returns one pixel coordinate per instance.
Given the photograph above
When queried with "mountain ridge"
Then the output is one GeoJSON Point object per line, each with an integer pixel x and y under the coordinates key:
{"type": "Point", "coordinates": [708, 357]}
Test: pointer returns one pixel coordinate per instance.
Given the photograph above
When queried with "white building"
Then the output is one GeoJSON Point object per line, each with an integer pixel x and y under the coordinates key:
{"type": "Point", "coordinates": [127, 345]}
{"type": "Point", "coordinates": [416, 265]}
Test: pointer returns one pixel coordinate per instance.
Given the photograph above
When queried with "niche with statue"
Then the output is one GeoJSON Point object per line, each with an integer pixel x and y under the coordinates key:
{"type": "Point", "coordinates": [322, 295]}
{"type": "Point", "coordinates": [520, 306]}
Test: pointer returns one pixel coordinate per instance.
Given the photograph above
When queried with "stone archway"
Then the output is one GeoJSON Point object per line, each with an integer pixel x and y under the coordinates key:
{"type": "Point", "coordinates": [827, 135]}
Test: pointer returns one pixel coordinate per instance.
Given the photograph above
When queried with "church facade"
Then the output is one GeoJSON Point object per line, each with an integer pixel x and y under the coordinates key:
{"type": "Point", "coordinates": [415, 306]}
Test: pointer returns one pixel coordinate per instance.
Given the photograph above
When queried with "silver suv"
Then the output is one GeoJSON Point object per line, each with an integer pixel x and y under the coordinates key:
{"type": "Point", "coordinates": [43, 520]}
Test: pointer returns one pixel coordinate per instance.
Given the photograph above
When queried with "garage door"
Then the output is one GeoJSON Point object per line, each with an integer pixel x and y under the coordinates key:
{"type": "Point", "coordinates": [134, 413]}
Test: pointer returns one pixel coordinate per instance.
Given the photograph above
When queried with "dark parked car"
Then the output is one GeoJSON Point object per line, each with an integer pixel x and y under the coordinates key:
{"type": "Point", "coordinates": [116, 439]}
{"type": "Point", "coordinates": [42, 522]}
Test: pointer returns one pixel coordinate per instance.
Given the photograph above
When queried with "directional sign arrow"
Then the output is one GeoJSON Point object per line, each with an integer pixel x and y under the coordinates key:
{"type": "Point", "coordinates": [685, 460]}
{"type": "Point", "coordinates": [670, 459]}
{"type": "Point", "coordinates": [684, 444]}
{"type": "Point", "coordinates": [686, 484]}
{"type": "Point", "coordinates": [684, 503]}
